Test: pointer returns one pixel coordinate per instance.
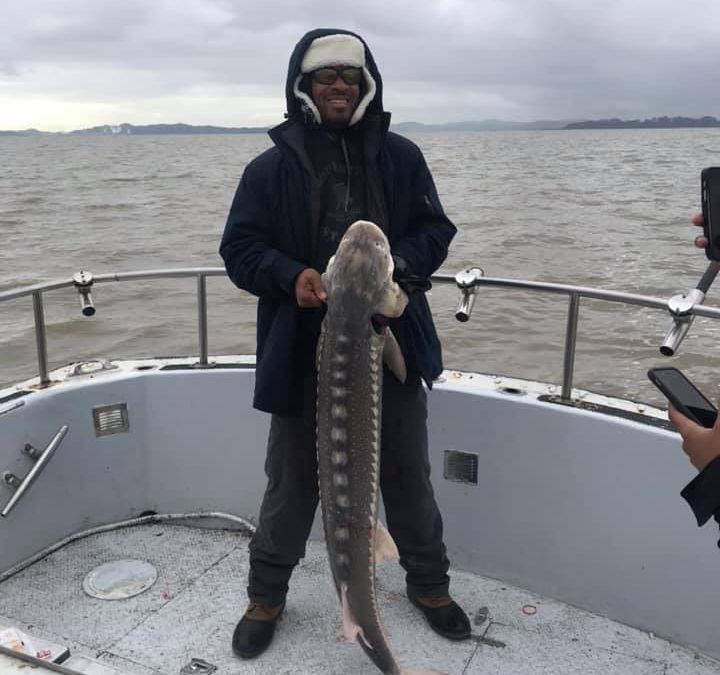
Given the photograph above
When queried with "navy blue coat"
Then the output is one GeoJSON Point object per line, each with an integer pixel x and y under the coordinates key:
{"type": "Point", "coordinates": [267, 243]}
{"type": "Point", "coordinates": [703, 493]}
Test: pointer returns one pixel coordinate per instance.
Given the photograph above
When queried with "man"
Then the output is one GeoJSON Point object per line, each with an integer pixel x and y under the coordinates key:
{"type": "Point", "coordinates": [702, 446]}
{"type": "Point", "coordinates": [335, 162]}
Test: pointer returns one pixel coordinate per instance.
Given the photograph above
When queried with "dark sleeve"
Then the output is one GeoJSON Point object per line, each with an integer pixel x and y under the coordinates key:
{"type": "Point", "coordinates": [703, 493]}
{"type": "Point", "coordinates": [248, 245]}
{"type": "Point", "coordinates": [425, 244]}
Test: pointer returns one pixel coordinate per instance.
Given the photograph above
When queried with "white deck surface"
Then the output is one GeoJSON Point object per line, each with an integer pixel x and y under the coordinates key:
{"type": "Point", "coordinates": [199, 596]}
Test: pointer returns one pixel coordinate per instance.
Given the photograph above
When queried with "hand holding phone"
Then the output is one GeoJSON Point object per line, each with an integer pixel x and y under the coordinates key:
{"type": "Point", "coordinates": [710, 195]}
{"type": "Point", "coordinates": [684, 395]}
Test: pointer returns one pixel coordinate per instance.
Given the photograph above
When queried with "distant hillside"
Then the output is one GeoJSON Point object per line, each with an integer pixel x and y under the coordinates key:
{"type": "Point", "coordinates": [24, 132]}
{"type": "Point", "coordinates": [481, 125]}
{"type": "Point", "coordinates": [155, 129]}
{"type": "Point", "coordinates": [652, 123]}
{"type": "Point", "coordinates": [402, 127]}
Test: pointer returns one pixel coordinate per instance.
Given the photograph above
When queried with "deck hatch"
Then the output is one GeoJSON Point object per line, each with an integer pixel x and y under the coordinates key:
{"type": "Point", "coordinates": [120, 579]}
{"type": "Point", "coordinates": [461, 467]}
{"type": "Point", "coordinates": [111, 419]}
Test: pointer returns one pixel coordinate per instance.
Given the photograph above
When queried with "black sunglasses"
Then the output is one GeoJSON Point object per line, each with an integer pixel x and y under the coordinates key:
{"type": "Point", "coordinates": [329, 75]}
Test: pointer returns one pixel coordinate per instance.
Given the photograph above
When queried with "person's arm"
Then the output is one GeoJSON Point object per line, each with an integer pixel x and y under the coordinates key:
{"type": "Point", "coordinates": [251, 258]}
{"type": "Point", "coordinates": [702, 446]}
{"type": "Point", "coordinates": [425, 244]}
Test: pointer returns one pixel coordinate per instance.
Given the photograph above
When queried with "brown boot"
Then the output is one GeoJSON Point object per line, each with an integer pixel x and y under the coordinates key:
{"type": "Point", "coordinates": [255, 630]}
{"type": "Point", "coordinates": [444, 615]}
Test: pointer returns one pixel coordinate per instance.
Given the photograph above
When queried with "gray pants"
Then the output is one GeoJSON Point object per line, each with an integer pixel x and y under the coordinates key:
{"type": "Point", "coordinates": [291, 497]}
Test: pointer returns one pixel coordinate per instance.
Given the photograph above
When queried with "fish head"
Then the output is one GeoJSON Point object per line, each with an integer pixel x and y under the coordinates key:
{"type": "Point", "coordinates": [360, 274]}
{"type": "Point", "coordinates": [363, 253]}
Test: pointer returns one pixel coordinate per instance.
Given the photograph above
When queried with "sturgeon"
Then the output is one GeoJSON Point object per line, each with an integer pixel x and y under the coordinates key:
{"type": "Point", "coordinates": [351, 348]}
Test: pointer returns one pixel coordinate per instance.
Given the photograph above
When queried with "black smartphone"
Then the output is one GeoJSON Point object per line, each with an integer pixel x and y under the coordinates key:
{"type": "Point", "coordinates": [710, 195]}
{"type": "Point", "coordinates": [684, 395]}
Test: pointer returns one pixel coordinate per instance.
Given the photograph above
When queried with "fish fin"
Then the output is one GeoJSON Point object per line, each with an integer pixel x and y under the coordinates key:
{"type": "Point", "coordinates": [394, 301]}
{"type": "Point", "coordinates": [326, 277]}
{"type": "Point", "coordinates": [351, 628]}
{"type": "Point", "coordinates": [328, 267]}
{"type": "Point", "coordinates": [340, 637]}
{"type": "Point", "coordinates": [362, 638]}
{"type": "Point", "coordinates": [393, 357]}
{"type": "Point", "coordinates": [385, 547]}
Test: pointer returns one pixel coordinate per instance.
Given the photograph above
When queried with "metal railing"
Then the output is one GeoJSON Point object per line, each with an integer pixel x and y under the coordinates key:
{"type": "Point", "coordinates": [467, 282]}
{"type": "Point", "coordinates": [83, 282]}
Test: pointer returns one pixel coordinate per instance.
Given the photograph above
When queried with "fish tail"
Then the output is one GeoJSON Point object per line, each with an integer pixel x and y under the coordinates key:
{"type": "Point", "coordinates": [351, 628]}
{"type": "Point", "coordinates": [385, 546]}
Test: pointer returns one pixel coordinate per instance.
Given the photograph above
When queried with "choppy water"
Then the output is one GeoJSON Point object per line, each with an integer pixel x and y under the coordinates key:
{"type": "Point", "coordinates": [609, 209]}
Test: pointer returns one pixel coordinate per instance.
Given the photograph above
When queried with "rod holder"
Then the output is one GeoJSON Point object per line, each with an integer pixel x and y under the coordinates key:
{"type": "Point", "coordinates": [84, 282]}
{"type": "Point", "coordinates": [32, 452]}
{"type": "Point", "coordinates": [681, 310]}
{"type": "Point", "coordinates": [20, 487]}
{"type": "Point", "coordinates": [467, 283]}
{"type": "Point", "coordinates": [11, 480]}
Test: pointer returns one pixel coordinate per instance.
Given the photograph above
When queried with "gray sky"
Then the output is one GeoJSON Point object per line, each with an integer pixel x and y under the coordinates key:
{"type": "Point", "coordinates": [67, 64]}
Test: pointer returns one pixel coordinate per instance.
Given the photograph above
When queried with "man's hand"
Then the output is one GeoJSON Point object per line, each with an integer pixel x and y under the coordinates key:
{"type": "Point", "coordinates": [309, 289]}
{"type": "Point", "coordinates": [701, 241]}
{"type": "Point", "coordinates": [701, 445]}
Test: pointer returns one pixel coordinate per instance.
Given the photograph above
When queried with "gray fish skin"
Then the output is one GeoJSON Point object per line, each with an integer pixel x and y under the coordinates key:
{"type": "Point", "coordinates": [350, 371]}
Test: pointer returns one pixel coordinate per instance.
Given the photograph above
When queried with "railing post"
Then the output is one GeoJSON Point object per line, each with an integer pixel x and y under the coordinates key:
{"type": "Point", "coordinates": [570, 340]}
{"type": "Point", "coordinates": [202, 319]}
{"type": "Point", "coordinates": [41, 338]}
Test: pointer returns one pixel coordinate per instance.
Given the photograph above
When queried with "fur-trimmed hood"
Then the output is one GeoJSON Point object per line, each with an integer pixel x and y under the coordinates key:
{"type": "Point", "coordinates": [295, 104]}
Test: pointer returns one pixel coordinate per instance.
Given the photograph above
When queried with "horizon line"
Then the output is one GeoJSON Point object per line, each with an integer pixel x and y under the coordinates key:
{"type": "Point", "coordinates": [487, 121]}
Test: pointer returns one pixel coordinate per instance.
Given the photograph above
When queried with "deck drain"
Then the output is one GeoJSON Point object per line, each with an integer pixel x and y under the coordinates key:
{"type": "Point", "coordinates": [120, 579]}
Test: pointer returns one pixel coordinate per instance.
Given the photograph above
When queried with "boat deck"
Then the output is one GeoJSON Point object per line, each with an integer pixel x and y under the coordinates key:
{"type": "Point", "coordinates": [199, 595]}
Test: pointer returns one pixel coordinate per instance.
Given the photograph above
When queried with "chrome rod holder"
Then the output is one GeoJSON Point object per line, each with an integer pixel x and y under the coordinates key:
{"type": "Point", "coordinates": [676, 334]}
{"type": "Point", "coordinates": [32, 452]}
{"type": "Point", "coordinates": [83, 281]}
{"type": "Point", "coordinates": [20, 487]}
{"type": "Point", "coordinates": [681, 308]}
{"type": "Point", "coordinates": [11, 480]}
{"type": "Point", "coordinates": [467, 283]}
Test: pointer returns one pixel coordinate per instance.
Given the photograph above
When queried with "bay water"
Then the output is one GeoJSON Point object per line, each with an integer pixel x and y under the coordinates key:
{"type": "Point", "coordinates": [609, 209]}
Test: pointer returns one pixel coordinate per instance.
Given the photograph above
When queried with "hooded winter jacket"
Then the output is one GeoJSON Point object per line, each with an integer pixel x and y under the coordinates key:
{"type": "Point", "coordinates": [703, 494]}
{"type": "Point", "coordinates": [269, 233]}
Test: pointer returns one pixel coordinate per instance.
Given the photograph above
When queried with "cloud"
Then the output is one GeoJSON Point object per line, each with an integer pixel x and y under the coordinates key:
{"type": "Point", "coordinates": [441, 61]}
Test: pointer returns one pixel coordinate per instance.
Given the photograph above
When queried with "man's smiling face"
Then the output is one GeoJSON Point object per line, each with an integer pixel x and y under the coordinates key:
{"type": "Point", "coordinates": [336, 102]}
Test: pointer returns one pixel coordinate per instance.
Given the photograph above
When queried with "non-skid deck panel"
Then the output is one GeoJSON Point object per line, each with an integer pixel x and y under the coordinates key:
{"type": "Point", "coordinates": [199, 596]}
